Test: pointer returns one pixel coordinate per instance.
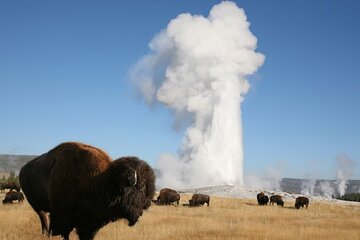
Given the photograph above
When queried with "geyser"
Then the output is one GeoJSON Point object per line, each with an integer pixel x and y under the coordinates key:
{"type": "Point", "coordinates": [198, 67]}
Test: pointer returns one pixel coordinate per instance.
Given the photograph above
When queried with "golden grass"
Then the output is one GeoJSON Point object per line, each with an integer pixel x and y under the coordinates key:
{"type": "Point", "coordinates": [225, 219]}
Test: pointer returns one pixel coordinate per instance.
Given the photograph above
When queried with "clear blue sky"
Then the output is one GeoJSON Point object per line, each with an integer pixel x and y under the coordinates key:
{"type": "Point", "coordinates": [64, 65]}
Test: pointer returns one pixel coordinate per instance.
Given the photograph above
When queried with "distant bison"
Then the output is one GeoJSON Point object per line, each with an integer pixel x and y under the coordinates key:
{"type": "Point", "coordinates": [277, 199]}
{"type": "Point", "coordinates": [13, 196]}
{"type": "Point", "coordinates": [301, 202]}
{"type": "Point", "coordinates": [262, 199]}
{"type": "Point", "coordinates": [82, 188]}
{"type": "Point", "coordinates": [168, 196]}
{"type": "Point", "coordinates": [199, 199]}
{"type": "Point", "coordinates": [10, 186]}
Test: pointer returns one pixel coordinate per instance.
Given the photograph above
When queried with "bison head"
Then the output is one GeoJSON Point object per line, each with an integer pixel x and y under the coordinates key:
{"type": "Point", "coordinates": [122, 175]}
{"type": "Point", "coordinates": [134, 182]}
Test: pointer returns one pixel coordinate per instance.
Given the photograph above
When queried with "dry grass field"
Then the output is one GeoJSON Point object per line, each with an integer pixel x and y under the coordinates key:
{"type": "Point", "coordinates": [224, 219]}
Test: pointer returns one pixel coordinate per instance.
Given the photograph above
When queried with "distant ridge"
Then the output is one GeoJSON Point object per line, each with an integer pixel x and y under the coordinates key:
{"type": "Point", "coordinates": [13, 163]}
{"type": "Point", "coordinates": [293, 185]}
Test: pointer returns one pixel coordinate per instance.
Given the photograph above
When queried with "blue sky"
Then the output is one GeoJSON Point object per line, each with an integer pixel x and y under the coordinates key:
{"type": "Point", "coordinates": [64, 66]}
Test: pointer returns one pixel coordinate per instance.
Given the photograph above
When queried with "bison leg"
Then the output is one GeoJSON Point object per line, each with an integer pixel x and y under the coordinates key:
{"type": "Point", "coordinates": [60, 226]}
{"type": "Point", "coordinates": [44, 222]}
{"type": "Point", "coordinates": [86, 233]}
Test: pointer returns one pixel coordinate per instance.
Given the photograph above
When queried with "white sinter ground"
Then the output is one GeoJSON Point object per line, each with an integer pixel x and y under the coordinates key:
{"type": "Point", "coordinates": [250, 193]}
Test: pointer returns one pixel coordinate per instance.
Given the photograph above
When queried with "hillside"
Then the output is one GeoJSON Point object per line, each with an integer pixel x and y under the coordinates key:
{"type": "Point", "coordinates": [13, 163]}
{"type": "Point", "coordinates": [9, 163]}
{"type": "Point", "coordinates": [292, 185]}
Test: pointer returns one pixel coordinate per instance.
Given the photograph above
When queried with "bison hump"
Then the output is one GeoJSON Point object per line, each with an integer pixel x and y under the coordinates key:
{"type": "Point", "coordinates": [75, 166]}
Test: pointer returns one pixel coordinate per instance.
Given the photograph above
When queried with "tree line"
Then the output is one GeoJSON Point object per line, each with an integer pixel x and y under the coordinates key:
{"type": "Point", "coordinates": [12, 178]}
{"type": "Point", "coordinates": [355, 197]}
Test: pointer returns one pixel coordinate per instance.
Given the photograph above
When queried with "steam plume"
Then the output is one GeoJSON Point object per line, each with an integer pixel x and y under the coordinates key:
{"type": "Point", "coordinates": [308, 186]}
{"type": "Point", "coordinates": [344, 172]}
{"type": "Point", "coordinates": [326, 189]}
{"type": "Point", "coordinates": [269, 180]}
{"type": "Point", "coordinates": [198, 67]}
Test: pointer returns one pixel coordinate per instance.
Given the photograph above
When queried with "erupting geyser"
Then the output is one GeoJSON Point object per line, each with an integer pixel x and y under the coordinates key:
{"type": "Point", "coordinates": [198, 67]}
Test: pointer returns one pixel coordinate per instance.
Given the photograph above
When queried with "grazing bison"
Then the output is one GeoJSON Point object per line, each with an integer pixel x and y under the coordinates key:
{"type": "Point", "coordinates": [10, 186]}
{"type": "Point", "coordinates": [277, 199]}
{"type": "Point", "coordinates": [301, 201]}
{"type": "Point", "coordinates": [168, 196]}
{"type": "Point", "coordinates": [262, 199]}
{"type": "Point", "coordinates": [82, 188]}
{"type": "Point", "coordinates": [199, 199]}
{"type": "Point", "coordinates": [13, 196]}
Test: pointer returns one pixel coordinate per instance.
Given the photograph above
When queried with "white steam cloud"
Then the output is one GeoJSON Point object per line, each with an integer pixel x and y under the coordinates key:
{"type": "Point", "coordinates": [344, 172]}
{"type": "Point", "coordinates": [270, 179]}
{"type": "Point", "coordinates": [326, 189]}
{"type": "Point", "coordinates": [308, 186]}
{"type": "Point", "coordinates": [198, 67]}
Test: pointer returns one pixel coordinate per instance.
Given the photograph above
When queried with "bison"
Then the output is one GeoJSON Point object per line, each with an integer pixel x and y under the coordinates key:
{"type": "Point", "coordinates": [10, 186]}
{"type": "Point", "coordinates": [277, 199]}
{"type": "Point", "coordinates": [81, 187]}
{"type": "Point", "coordinates": [199, 199]}
{"type": "Point", "coordinates": [168, 196]}
{"type": "Point", "coordinates": [262, 199]}
{"type": "Point", "coordinates": [13, 196]}
{"type": "Point", "coordinates": [301, 201]}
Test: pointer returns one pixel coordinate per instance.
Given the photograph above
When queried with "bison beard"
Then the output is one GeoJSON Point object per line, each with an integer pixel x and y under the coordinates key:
{"type": "Point", "coordinates": [82, 188]}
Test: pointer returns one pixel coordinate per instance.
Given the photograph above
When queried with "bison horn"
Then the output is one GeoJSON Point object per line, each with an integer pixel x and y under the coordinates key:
{"type": "Point", "coordinates": [135, 176]}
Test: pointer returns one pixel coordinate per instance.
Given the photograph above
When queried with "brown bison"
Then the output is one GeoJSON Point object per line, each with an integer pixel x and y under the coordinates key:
{"type": "Point", "coordinates": [199, 199]}
{"type": "Point", "coordinates": [13, 196]}
{"type": "Point", "coordinates": [10, 186]}
{"type": "Point", "coordinates": [262, 199]}
{"type": "Point", "coordinates": [168, 196]}
{"type": "Point", "coordinates": [301, 202]}
{"type": "Point", "coordinates": [82, 188]}
{"type": "Point", "coordinates": [277, 199]}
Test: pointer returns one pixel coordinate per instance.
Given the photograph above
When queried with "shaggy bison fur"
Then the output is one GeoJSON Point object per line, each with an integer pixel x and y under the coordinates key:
{"type": "Point", "coordinates": [199, 199]}
{"type": "Point", "coordinates": [262, 199]}
{"type": "Point", "coordinates": [82, 188]}
{"type": "Point", "coordinates": [168, 196]}
{"type": "Point", "coordinates": [301, 202]}
{"type": "Point", "coordinates": [13, 196]}
{"type": "Point", "coordinates": [277, 199]}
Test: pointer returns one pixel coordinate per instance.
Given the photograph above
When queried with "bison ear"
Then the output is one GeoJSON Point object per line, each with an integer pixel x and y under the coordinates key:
{"type": "Point", "coordinates": [123, 174]}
